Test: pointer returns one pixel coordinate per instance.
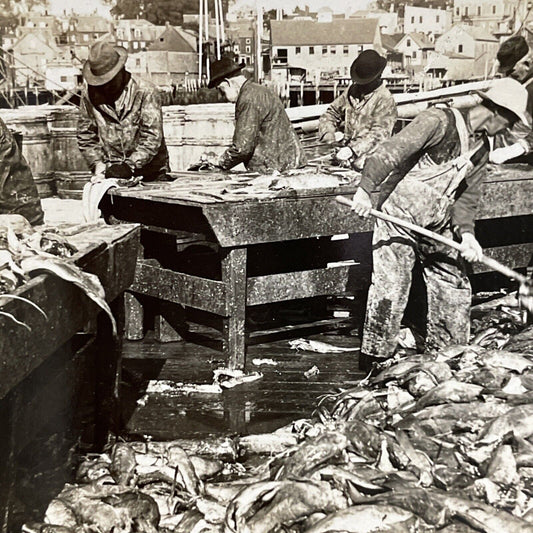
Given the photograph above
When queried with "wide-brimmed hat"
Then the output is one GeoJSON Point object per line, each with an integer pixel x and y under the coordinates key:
{"type": "Point", "coordinates": [223, 68]}
{"type": "Point", "coordinates": [368, 66]}
{"type": "Point", "coordinates": [104, 63]}
{"type": "Point", "coordinates": [510, 52]}
{"type": "Point", "coordinates": [509, 94]}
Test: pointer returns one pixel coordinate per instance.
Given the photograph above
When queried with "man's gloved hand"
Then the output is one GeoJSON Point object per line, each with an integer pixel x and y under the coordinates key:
{"type": "Point", "coordinates": [501, 155]}
{"type": "Point", "coordinates": [328, 138]}
{"type": "Point", "coordinates": [344, 153]}
{"type": "Point", "coordinates": [361, 203]}
{"type": "Point", "coordinates": [98, 173]}
{"type": "Point", "coordinates": [208, 161]}
{"type": "Point", "coordinates": [471, 249]}
{"type": "Point", "coordinates": [119, 170]}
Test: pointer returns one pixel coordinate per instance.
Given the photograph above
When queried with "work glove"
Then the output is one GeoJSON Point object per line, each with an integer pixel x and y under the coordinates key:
{"type": "Point", "coordinates": [501, 155]}
{"type": "Point", "coordinates": [119, 170]}
{"type": "Point", "coordinates": [361, 203]}
{"type": "Point", "coordinates": [332, 137]}
{"type": "Point", "coordinates": [98, 173]}
{"type": "Point", "coordinates": [208, 161]}
{"type": "Point", "coordinates": [471, 249]}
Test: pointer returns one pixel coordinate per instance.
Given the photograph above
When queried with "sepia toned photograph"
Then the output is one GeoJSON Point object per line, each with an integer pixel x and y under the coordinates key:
{"type": "Point", "coordinates": [266, 266]}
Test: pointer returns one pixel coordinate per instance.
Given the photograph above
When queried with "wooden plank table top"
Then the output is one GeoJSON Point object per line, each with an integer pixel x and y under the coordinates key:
{"type": "Point", "coordinates": [110, 252]}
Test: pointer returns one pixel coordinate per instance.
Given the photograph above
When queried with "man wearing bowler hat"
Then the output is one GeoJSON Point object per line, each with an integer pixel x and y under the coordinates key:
{"type": "Point", "coordinates": [120, 127]}
{"type": "Point", "coordinates": [367, 109]}
{"type": "Point", "coordinates": [264, 139]}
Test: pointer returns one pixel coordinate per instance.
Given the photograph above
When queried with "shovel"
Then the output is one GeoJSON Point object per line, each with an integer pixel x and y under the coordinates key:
{"type": "Point", "coordinates": [525, 294]}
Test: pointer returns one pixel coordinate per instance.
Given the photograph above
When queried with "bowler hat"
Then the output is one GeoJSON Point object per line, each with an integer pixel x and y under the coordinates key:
{"type": "Point", "coordinates": [104, 63]}
{"type": "Point", "coordinates": [368, 66]}
{"type": "Point", "coordinates": [510, 52]}
{"type": "Point", "coordinates": [509, 94]}
{"type": "Point", "coordinates": [223, 68]}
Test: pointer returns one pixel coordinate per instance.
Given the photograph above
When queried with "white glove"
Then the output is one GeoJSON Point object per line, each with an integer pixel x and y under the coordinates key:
{"type": "Point", "coordinates": [344, 153]}
{"type": "Point", "coordinates": [339, 136]}
{"type": "Point", "coordinates": [471, 249]}
{"type": "Point", "coordinates": [99, 172]}
{"type": "Point", "coordinates": [501, 155]}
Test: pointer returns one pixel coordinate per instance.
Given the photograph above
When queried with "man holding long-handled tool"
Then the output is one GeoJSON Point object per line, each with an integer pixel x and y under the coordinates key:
{"type": "Point", "coordinates": [430, 175]}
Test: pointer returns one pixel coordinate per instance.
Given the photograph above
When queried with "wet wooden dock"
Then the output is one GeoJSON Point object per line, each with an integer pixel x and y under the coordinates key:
{"type": "Point", "coordinates": [283, 394]}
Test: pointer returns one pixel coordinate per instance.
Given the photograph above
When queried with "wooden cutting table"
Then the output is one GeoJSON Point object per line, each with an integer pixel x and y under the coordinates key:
{"type": "Point", "coordinates": [239, 213]}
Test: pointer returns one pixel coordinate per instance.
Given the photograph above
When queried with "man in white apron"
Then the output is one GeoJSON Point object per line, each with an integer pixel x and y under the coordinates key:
{"type": "Point", "coordinates": [430, 174]}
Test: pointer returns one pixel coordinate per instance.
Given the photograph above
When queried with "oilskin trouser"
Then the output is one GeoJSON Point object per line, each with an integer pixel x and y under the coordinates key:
{"type": "Point", "coordinates": [424, 197]}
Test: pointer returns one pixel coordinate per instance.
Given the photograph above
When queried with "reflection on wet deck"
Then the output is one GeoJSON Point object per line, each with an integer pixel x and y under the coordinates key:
{"type": "Point", "coordinates": [282, 395]}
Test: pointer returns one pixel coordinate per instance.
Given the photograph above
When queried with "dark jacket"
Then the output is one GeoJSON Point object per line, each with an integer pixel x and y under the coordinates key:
{"type": "Point", "coordinates": [264, 139]}
{"type": "Point", "coordinates": [131, 131]}
{"type": "Point", "coordinates": [432, 132]}
{"type": "Point", "coordinates": [18, 193]}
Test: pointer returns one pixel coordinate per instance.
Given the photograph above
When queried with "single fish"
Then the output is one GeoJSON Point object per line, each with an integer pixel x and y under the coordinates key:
{"type": "Point", "coordinates": [309, 345]}
{"type": "Point", "coordinates": [450, 391]}
{"type": "Point", "coordinates": [123, 464]}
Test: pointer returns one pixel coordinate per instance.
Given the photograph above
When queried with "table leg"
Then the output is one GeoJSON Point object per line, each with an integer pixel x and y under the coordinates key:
{"type": "Point", "coordinates": [134, 315]}
{"type": "Point", "coordinates": [234, 278]}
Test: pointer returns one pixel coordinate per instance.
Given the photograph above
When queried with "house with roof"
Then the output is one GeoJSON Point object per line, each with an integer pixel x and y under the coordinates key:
{"type": "Point", "coordinates": [426, 20]}
{"type": "Point", "coordinates": [322, 47]}
{"type": "Point", "coordinates": [416, 49]}
{"type": "Point", "coordinates": [85, 30]}
{"type": "Point", "coordinates": [492, 15]}
{"type": "Point", "coordinates": [388, 20]}
{"type": "Point", "coordinates": [30, 55]}
{"type": "Point", "coordinates": [241, 35]}
{"type": "Point", "coordinates": [136, 35]}
{"type": "Point", "coordinates": [171, 58]}
{"type": "Point", "coordinates": [472, 42]}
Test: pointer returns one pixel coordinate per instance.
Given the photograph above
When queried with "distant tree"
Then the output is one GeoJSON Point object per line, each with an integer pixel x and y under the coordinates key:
{"type": "Point", "coordinates": [12, 11]}
{"type": "Point", "coordinates": [159, 11]}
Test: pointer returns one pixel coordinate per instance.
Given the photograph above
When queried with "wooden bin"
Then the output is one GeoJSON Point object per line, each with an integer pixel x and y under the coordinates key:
{"type": "Point", "coordinates": [36, 146]}
{"type": "Point", "coordinates": [193, 130]}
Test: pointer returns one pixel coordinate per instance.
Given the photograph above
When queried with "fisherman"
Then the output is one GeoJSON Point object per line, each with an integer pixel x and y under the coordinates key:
{"type": "Point", "coordinates": [120, 127]}
{"type": "Point", "coordinates": [264, 139]}
{"type": "Point", "coordinates": [367, 109]}
{"type": "Point", "coordinates": [515, 59]}
{"type": "Point", "coordinates": [18, 192]}
{"type": "Point", "coordinates": [430, 174]}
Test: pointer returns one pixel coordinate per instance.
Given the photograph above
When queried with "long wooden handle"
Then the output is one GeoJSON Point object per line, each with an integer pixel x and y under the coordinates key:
{"type": "Point", "coordinates": [487, 261]}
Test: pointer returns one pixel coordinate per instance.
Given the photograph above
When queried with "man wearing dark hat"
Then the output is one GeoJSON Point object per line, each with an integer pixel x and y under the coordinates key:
{"type": "Point", "coordinates": [515, 60]}
{"type": "Point", "coordinates": [430, 173]}
{"type": "Point", "coordinates": [367, 109]}
{"type": "Point", "coordinates": [264, 139]}
{"type": "Point", "coordinates": [120, 127]}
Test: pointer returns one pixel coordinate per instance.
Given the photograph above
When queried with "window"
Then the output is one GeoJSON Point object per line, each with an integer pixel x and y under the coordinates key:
{"type": "Point", "coordinates": [460, 49]}
{"type": "Point", "coordinates": [437, 19]}
{"type": "Point", "coordinates": [414, 54]}
{"type": "Point", "coordinates": [135, 45]}
{"type": "Point", "coordinates": [412, 20]}
{"type": "Point", "coordinates": [332, 49]}
{"type": "Point", "coordinates": [63, 79]}
{"type": "Point", "coordinates": [248, 41]}
{"type": "Point", "coordinates": [137, 62]}
{"type": "Point", "coordinates": [494, 10]}
{"type": "Point", "coordinates": [420, 20]}
{"type": "Point", "coordinates": [311, 50]}
{"type": "Point", "coordinates": [466, 11]}
{"type": "Point", "coordinates": [143, 44]}
{"type": "Point", "coordinates": [478, 11]}
{"type": "Point", "coordinates": [85, 37]}
{"type": "Point", "coordinates": [408, 43]}
{"type": "Point", "coordinates": [282, 55]}
{"type": "Point", "coordinates": [345, 49]}
{"type": "Point", "coordinates": [457, 11]}
{"type": "Point", "coordinates": [324, 50]}
{"type": "Point", "coordinates": [297, 50]}
{"type": "Point", "coordinates": [248, 49]}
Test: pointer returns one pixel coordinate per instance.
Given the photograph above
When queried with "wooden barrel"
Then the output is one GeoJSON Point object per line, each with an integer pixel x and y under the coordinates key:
{"type": "Point", "coordinates": [71, 171]}
{"type": "Point", "coordinates": [193, 130]}
{"type": "Point", "coordinates": [36, 146]}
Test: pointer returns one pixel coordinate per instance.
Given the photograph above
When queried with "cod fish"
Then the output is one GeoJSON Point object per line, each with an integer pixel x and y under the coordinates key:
{"type": "Point", "coordinates": [293, 502]}
{"type": "Point", "coordinates": [364, 519]}
{"type": "Point", "coordinates": [450, 391]}
{"type": "Point", "coordinates": [312, 454]}
{"type": "Point", "coordinates": [123, 464]}
{"type": "Point", "coordinates": [179, 460]}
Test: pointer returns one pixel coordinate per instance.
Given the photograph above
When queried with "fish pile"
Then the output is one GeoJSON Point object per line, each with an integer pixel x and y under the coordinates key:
{"type": "Point", "coordinates": [431, 442]}
{"type": "Point", "coordinates": [26, 252]}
